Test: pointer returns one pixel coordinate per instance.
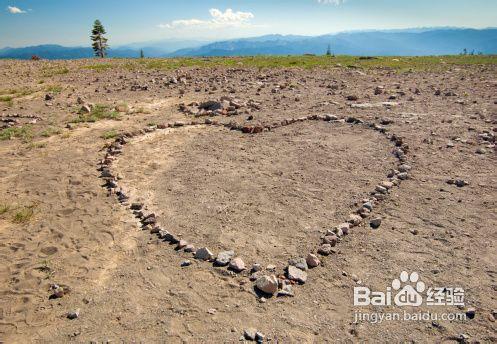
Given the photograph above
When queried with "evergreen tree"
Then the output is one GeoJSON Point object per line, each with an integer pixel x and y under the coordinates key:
{"type": "Point", "coordinates": [328, 51]}
{"type": "Point", "coordinates": [99, 41]}
{"type": "Point", "coordinates": [142, 55]}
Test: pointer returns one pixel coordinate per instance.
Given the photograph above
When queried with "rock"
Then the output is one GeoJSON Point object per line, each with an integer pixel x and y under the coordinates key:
{"type": "Point", "coordinates": [287, 290]}
{"type": "Point", "coordinates": [387, 184]}
{"type": "Point", "coordinates": [481, 151]}
{"type": "Point", "coordinates": [355, 220]}
{"type": "Point", "coordinates": [73, 314]}
{"type": "Point", "coordinates": [471, 312]}
{"type": "Point", "coordinates": [204, 254]}
{"type": "Point", "coordinates": [375, 223]}
{"type": "Point", "coordinates": [325, 250]}
{"type": "Point", "coordinates": [136, 206]}
{"type": "Point", "coordinates": [267, 284]}
{"type": "Point", "coordinates": [402, 175]}
{"type": "Point", "coordinates": [381, 189]}
{"type": "Point", "coordinates": [368, 205]}
{"type": "Point", "coordinates": [256, 267]}
{"type": "Point", "coordinates": [298, 263]}
{"type": "Point", "coordinates": [312, 260]}
{"type": "Point", "coordinates": [250, 333]}
{"type": "Point", "coordinates": [259, 337]}
{"type": "Point", "coordinates": [181, 244]}
{"type": "Point", "coordinates": [295, 274]}
{"type": "Point", "coordinates": [344, 227]}
{"type": "Point", "coordinates": [223, 258]}
{"type": "Point", "coordinates": [48, 96]}
{"type": "Point", "coordinates": [331, 240]}
{"type": "Point", "coordinates": [457, 182]}
{"type": "Point", "coordinates": [186, 263]}
{"type": "Point", "coordinates": [404, 168]}
{"type": "Point", "coordinates": [237, 265]}
{"type": "Point", "coordinates": [85, 109]}
{"type": "Point", "coordinates": [352, 97]}
{"type": "Point", "coordinates": [189, 248]}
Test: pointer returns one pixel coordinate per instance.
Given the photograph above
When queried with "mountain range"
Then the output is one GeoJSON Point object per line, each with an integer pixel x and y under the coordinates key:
{"type": "Point", "coordinates": [407, 42]}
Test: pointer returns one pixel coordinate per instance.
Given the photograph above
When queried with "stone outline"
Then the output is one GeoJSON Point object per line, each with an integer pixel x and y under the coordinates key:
{"type": "Point", "coordinates": [296, 271]}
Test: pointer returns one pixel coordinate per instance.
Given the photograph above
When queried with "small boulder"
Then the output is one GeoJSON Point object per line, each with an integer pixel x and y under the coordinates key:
{"type": "Point", "coordinates": [267, 284]}
{"type": "Point", "coordinates": [295, 274]}
{"type": "Point", "coordinates": [237, 265]}
{"type": "Point", "coordinates": [204, 254]}
{"type": "Point", "coordinates": [223, 258]}
{"type": "Point", "coordinates": [312, 260]}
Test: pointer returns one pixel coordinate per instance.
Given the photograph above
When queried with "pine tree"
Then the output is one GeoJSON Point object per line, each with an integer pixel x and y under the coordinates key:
{"type": "Point", "coordinates": [142, 55]}
{"type": "Point", "coordinates": [99, 41]}
{"type": "Point", "coordinates": [328, 51]}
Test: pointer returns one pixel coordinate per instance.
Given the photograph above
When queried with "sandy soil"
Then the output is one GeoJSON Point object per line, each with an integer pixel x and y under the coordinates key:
{"type": "Point", "coordinates": [267, 196]}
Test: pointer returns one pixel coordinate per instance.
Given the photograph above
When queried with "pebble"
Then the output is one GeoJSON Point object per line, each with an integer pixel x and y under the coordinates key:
{"type": "Point", "coordinates": [295, 274]}
{"type": "Point", "coordinates": [204, 254]}
{"type": "Point", "coordinates": [471, 312]}
{"type": "Point", "coordinates": [223, 258]}
{"type": "Point", "coordinates": [237, 265]}
{"type": "Point", "coordinates": [186, 263]}
{"type": "Point", "coordinates": [73, 314]}
{"type": "Point", "coordinates": [256, 267]}
{"type": "Point", "coordinates": [312, 260]}
{"type": "Point", "coordinates": [267, 284]}
{"type": "Point", "coordinates": [375, 223]}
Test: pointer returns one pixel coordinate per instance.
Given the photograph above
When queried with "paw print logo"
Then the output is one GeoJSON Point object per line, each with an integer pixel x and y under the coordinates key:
{"type": "Point", "coordinates": [409, 295]}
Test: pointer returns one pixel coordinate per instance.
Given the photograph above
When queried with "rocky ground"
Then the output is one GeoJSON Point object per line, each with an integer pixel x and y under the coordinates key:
{"type": "Point", "coordinates": [225, 204]}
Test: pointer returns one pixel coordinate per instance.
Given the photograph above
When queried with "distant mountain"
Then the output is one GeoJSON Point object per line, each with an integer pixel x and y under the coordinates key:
{"type": "Point", "coordinates": [162, 47]}
{"type": "Point", "coordinates": [395, 42]}
{"type": "Point", "coordinates": [408, 42]}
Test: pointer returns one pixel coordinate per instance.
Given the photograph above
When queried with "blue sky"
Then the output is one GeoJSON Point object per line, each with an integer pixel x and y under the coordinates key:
{"type": "Point", "coordinates": [67, 22]}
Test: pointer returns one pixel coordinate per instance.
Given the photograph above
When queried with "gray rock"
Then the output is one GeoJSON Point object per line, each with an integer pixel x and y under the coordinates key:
{"type": "Point", "coordinates": [223, 258]}
{"type": "Point", "coordinates": [204, 254]}
{"type": "Point", "coordinates": [250, 333]}
{"type": "Point", "coordinates": [375, 223]}
{"type": "Point", "coordinates": [73, 314]}
{"type": "Point", "coordinates": [298, 263]}
{"type": "Point", "coordinates": [186, 263]}
{"type": "Point", "coordinates": [295, 274]}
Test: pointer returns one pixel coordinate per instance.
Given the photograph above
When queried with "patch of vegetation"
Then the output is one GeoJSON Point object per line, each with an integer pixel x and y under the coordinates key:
{"type": "Point", "coordinates": [55, 89]}
{"type": "Point", "coordinates": [98, 112]}
{"type": "Point", "coordinates": [100, 67]}
{"type": "Point", "coordinates": [38, 145]}
{"type": "Point", "coordinates": [6, 99]}
{"type": "Point", "coordinates": [8, 95]}
{"type": "Point", "coordinates": [53, 71]}
{"type": "Point", "coordinates": [109, 134]}
{"type": "Point", "coordinates": [398, 63]}
{"type": "Point", "coordinates": [4, 208]}
{"type": "Point", "coordinates": [51, 131]}
{"type": "Point", "coordinates": [25, 133]}
{"type": "Point", "coordinates": [24, 214]}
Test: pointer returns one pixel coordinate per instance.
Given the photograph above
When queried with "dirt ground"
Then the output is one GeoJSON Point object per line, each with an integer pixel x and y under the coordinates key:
{"type": "Point", "coordinates": [267, 196]}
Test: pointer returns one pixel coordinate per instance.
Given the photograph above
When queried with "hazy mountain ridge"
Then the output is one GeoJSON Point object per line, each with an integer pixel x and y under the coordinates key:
{"type": "Point", "coordinates": [418, 41]}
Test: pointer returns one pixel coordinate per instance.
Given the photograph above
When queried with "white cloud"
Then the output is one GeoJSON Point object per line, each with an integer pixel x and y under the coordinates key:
{"type": "Point", "coordinates": [333, 2]}
{"type": "Point", "coordinates": [15, 10]}
{"type": "Point", "coordinates": [218, 19]}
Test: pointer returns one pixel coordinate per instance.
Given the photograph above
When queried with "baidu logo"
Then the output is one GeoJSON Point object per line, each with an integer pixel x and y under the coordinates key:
{"type": "Point", "coordinates": [407, 290]}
